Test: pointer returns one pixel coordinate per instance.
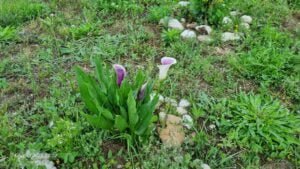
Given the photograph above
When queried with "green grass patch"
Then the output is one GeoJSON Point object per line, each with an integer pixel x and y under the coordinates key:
{"type": "Point", "coordinates": [15, 12]}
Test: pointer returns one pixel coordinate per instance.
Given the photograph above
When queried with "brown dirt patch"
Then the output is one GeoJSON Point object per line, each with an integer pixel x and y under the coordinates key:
{"type": "Point", "coordinates": [114, 147]}
{"type": "Point", "coordinates": [292, 23]}
{"type": "Point", "coordinates": [278, 165]}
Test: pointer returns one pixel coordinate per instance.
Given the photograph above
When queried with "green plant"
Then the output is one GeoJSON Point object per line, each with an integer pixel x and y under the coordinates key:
{"type": "Point", "coordinates": [81, 31]}
{"type": "Point", "coordinates": [170, 36]}
{"type": "Point", "coordinates": [259, 124]}
{"type": "Point", "coordinates": [158, 12]}
{"type": "Point", "coordinates": [262, 63]}
{"type": "Point", "coordinates": [209, 11]}
{"type": "Point", "coordinates": [124, 106]}
{"type": "Point", "coordinates": [120, 6]}
{"type": "Point", "coordinates": [17, 11]}
{"type": "Point", "coordinates": [62, 139]}
{"type": "Point", "coordinates": [7, 33]}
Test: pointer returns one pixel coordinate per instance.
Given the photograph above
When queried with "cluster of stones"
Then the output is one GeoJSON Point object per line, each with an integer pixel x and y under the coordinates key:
{"type": "Point", "coordinates": [203, 32]}
{"type": "Point", "coordinates": [245, 23]}
{"type": "Point", "coordinates": [172, 131]}
{"type": "Point", "coordinates": [191, 30]}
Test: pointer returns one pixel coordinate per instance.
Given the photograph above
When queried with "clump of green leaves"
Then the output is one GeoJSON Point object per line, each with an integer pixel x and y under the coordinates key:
{"type": "Point", "coordinates": [158, 12]}
{"type": "Point", "coordinates": [124, 108]}
{"type": "Point", "coordinates": [261, 125]}
{"type": "Point", "coordinates": [123, 7]}
{"type": "Point", "coordinates": [63, 134]}
{"type": "Point", "coordinates": [170, 35]}
{"type": "Point", "coordinates": [7, 33]}
{"type": "Point", "coordinates": [81, 31]}
{"type": "Point", "coordinates": [209, 11]}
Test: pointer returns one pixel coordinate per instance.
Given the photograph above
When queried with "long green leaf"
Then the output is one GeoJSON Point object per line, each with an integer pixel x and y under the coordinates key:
{"type": "Point", "coordinates": [132, 113]}
{"type": "Point", "coordinates": [102, 78]}
{"type": "Point", "coordinates": [84, 90]}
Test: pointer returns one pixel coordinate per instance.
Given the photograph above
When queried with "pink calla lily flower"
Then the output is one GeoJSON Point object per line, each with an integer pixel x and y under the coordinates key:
{"type": "Point", "coordinates": [121, 73]}
{"type": "Point", "coordinates": [166, 63]}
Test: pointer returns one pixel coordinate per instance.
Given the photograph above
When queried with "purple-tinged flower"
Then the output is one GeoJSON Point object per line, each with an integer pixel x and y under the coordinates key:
{"type": "Point", "coordinates": [166, 62]}
{"type": "Point", "coordinates": [121, 73]}
{"type": "Point", "coordinates": [141, 93]}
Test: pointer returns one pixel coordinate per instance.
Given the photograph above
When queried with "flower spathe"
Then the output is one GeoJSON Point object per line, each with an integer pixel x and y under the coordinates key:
{"type": "Point", "coordinates": [166, 63]}
{"type": "Point", "coordinates": [141, 93]}
{"type": "Point", "coordinates": [121, 73]}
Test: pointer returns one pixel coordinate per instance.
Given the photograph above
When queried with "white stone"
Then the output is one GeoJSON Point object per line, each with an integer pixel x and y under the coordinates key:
{"type": "Point", "coordinates": [246, 19]}
{"type": "Point", "coordinates": [226, 20]}
{"type": "Point", "coordinates": [183, 3]}
{"type": "Point", "coordinates": [183, 20]}
{"type": "Point", "coordinates": [162, 116]}
{"type": "Point", "coordinates": [204, 38]}
{"type": "Point", "coordinates": [184, 103]}
{"type": "Point", "coordinates": [173, 102]}
{"type": "Point", "coordinates": [245, 25]}
{"type": "Point", "coordinates": [40, 159]}
{"type": "Point", "coordinates": [205, 166]}
{"type": "Point", "coordinates": [175, 24]}
{"type": "Point", "coordinates": [228, 36]}
{"type": "Point", "coordinates": [212, 126]}
{"type": "Point", "coordinates": [181, 110]}
{"type": "Point", "coordinates": [234, 13]}
{"type": "Point", "coordinates": [187, 121]}
{"type": "Point", "coordinates": [204, 29]}
{"type": "Point", "coordinates": [161, 98]}
{"type": "Point", "coordinates": [188, 34]}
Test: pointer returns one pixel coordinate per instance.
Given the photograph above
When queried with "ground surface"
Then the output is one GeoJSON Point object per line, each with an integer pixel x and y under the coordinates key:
{"type": "Point", "coordinates": [40, 105]}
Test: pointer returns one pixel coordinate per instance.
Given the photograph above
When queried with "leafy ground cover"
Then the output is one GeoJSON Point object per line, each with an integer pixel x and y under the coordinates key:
{"type": "Point", "coordinates": [244, 95]}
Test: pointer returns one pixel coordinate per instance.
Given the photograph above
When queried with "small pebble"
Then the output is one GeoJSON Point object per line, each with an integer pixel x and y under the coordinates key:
{"type": "Point", "coordinates": [183, 3]}
{"type": "Point", "coordinates": [187, 121]}
{"type": "Point", "coordinates": [184, 103]}
{"type": "Point", "coordinates": [226, 20]}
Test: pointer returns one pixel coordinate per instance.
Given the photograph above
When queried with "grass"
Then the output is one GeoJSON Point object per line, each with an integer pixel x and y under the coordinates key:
{"type": "Point", "coordinates": [42, 41]}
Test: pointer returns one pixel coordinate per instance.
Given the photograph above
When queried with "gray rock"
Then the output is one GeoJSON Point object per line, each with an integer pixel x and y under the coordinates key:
{"type": "Point", "coordinates": [226, 20]}
{"type": "Point", "coordinates": [183, 3]}
{"type": "Point", "coordinates": [184, 103]}
{"type": "Point", "coordinates": [234, 13]}
{"type": "Point", "coordinates": [188, 34]}
{"type": "Point", "coordinates": [187, 121]}
{"type": "Point", "coordinates": [191, 25]}
{"type": "Point", "coordinates": [181, 110]}
{"type": "Point", "coordinates": [228, 36]}
{"type": "Point", "coordinates": [246, 19]}
{"type": "Point", "coordinates": [205, 166]}
{"type": "Point", "coordinates": [204, 29]}
{"type": "Point", "coordinates": [204, 38]}
{"type": "Point", "coordinates": [245, 25]}
{"type": "Point", "coordinates": [175, 24]}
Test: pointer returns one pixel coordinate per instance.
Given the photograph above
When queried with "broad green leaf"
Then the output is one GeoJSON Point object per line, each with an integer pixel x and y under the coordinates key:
{"type": "Point", "coordinates": [120, 123]}
{"type": "Point", "coordinates": [124, 113]}
{"type": "Point", "coordinates": [132, 113]}
{"type": "Point", "coordinates": [84, 90]}
{"type": "Point", "coordinates": [105, 112]}
{"type": "Point", "coordinates": [99, 121]}
{"type": "Point", "coordinates": [146, 115]}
